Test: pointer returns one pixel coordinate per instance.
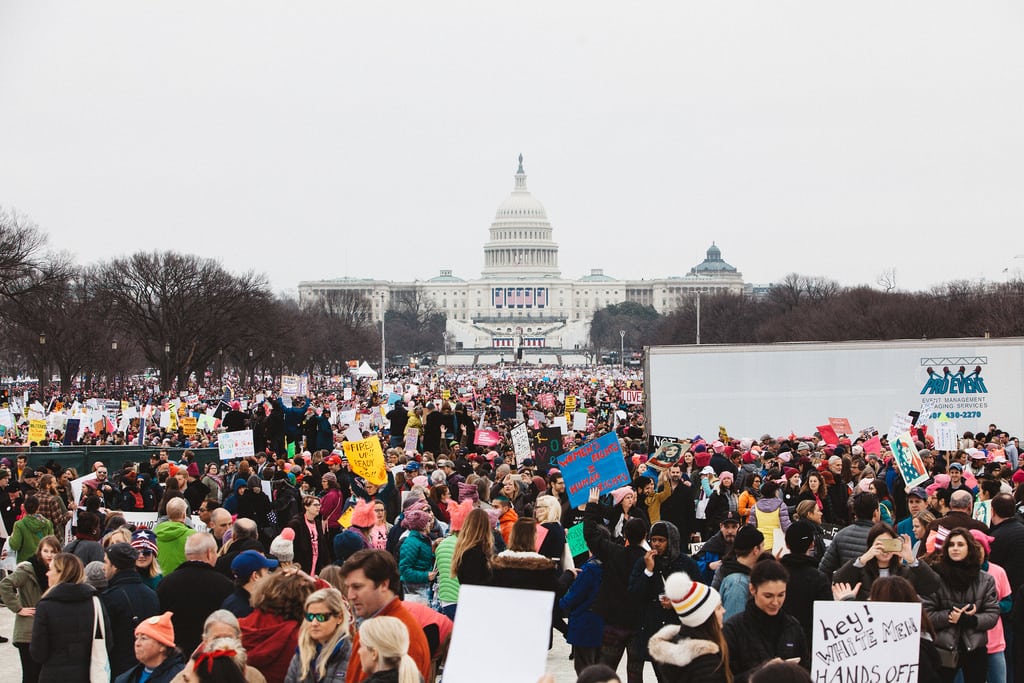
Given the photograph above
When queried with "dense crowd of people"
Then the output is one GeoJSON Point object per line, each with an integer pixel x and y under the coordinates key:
{"type": "Point", "coordinates": [288, 565]}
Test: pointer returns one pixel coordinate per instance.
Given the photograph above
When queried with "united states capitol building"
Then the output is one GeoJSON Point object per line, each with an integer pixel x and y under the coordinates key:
{"type": "Point", "coordinates": [521, 300]}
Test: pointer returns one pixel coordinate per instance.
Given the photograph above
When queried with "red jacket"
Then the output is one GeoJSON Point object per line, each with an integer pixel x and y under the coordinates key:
{"type": "Point", "coordinates": [270, 642]}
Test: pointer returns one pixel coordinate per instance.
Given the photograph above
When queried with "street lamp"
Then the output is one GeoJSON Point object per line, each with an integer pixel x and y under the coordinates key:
{"type": "Point", "coordinates": [113, 350]}
{"type": "Point", "coordinates": [444, 336]}
{"type": "Point", "coordinates": [383, 362]}
{"type": "Point", "coordinates": [42, 349]}
{"type": "Point", "coordinates": [622, 349]}
{"type": "Point", "coordinates": [698, 317]}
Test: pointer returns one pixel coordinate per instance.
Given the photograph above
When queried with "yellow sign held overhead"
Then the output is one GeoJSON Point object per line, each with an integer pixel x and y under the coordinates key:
{"type": "Point", "coordinates": [367, 460]}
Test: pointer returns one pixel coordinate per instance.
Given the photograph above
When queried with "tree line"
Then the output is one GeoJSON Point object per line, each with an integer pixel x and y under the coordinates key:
{"type": "Point", "coordinates": [180, 314]}
{"type": "Point", "coordinates": [806, 308]}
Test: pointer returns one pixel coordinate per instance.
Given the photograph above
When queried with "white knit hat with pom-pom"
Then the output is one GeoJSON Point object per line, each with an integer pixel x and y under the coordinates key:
{"type": "Point", "coordinates": [693, 601]}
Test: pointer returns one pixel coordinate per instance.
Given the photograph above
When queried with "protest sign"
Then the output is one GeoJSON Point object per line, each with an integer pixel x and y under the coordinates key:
{"type": "Point", "coordinates": [521, 442]}
{"type": "Point", "coordinates": [446, 394]}
{"type": "Point", "coordinates": [901, 422]}
{"type": "Point", "coordinates": [346, 394]}
{"type": "Point", "coordinates": [141, 520]}
{"type": "Point", "coordinates": [579, 422]}
{"type": "Point", "coordinates": [574, 537]}
{"type": "Point", "coordinates": [632, 395]}
{"type": "Point", "coordinates": [723, 434]}
{"type": "Point", "coordinates": [841, 425]}
{"type": "Point", "coordinates": [6, 418]}
{"type": "Point", "coordinates": [71, 431]}
{"type": "Point", "coordinates": [946, 436]}
{"type": "Point", "coordinates": [865, 641]}
{"type": "Point", "coordinates": [508, 406]}
{"type": "Point", "coordinates": [474, 634]}
{"type": "Point", "coordinates": [548, 447]}
{"type": "Point", "coordinates": [236, 445]}
{"type": "Point", "coordinates": [188, 426]}
{"type": "Point", "coordinates": [36, 430]}
{"type": "Point", "coordinates": [668, 453]}
{"type": "Point", "coordinates": [570, 406]}
{"type": "Point", "coordinates": [487, 438]}
{"type": "Point", "coordinates": [828, 435]}
{"type": "Point", "coordinates": [873, 445]}
{"type": "Point", "coordinates": [560, 422]}
{"type": "Point", "coordinates": [293, 385]}
{"type": "Point", "coordinates": [546, 401]}
{"type": "Point", "coordinates": [907, 459]}
{"type": "Point", "coordinates": [366, 459]}
{"type": "Point", "coordinates": [596, 464]}
{"type": "Point", "coordinates": [412, 438]}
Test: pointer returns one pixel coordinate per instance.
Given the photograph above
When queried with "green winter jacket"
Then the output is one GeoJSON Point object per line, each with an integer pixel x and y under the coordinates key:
{"type": "Point", "coordinates": [447, 585]}
{"type": "Point", "coordinates": [28, 531]}
{"type": "Point", "coordinates": [20, 589]}
{"type": "Point", "coordinates": [416, 559]}
{"type": "Point", "coordinates": [170, 544]}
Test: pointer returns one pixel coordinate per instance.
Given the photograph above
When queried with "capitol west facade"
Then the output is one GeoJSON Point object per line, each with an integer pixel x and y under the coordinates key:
{"type": "Point", "coordinates": [521, 299]}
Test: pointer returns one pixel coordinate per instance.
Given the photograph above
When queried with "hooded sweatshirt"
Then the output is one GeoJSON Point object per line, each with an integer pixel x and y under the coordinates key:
{"type": "Point", "coordinates": [270, 642]}
{"type": "Point", "coordinates": [27, 533]}
{"type": "Point", "coordinates": [170, 544]}
{"type": "Point", "coordinates": [768, 515]}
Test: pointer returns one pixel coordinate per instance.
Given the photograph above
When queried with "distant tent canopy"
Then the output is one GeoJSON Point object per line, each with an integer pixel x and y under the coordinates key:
{"type": "Point", "coordinates": [364, 370]}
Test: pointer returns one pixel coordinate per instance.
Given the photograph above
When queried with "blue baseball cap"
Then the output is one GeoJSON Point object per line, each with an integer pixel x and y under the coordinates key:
{"type": "Point", "coordinates": [249, 561]}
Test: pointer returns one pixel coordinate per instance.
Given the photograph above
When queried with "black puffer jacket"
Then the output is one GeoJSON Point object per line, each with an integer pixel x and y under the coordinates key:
{"type": "Point", "coordinates": [62, 633]}
{"type": "Point", "coordinates": [971, 632]}
{"type": "Point", "coordinates": [754, 638]}
{"type": "Point", "coordinates": [647, 589]}
{"type": "Point", "coordinates": [849, 544]}
{"type": "Point", "coordinates": [681, 659]}
{"type": "Point", "coordinates": [127, 601]}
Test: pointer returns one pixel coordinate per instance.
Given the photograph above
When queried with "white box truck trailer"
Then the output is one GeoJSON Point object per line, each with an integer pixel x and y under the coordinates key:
{"type": "Point", "coordinates": [778, 389]}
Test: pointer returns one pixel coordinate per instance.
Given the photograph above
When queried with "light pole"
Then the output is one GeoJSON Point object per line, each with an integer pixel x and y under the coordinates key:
{"type": "Point", "coordinates": [698, 317]}
{"type": "Point", "coordinates": [113, 352]}
{"type": "Point", "coordinates": [42, 351]}
{"type": "Point", "coordinates": [167, 365]}
{"type": "Point", "coordinates": [382, 359]}
{"type": "Point", "coordinates": [622, 349]}
{"type": "Point", "coordinates": [444, 336]}
{"type": "Point", "coordinates": [220, 365]}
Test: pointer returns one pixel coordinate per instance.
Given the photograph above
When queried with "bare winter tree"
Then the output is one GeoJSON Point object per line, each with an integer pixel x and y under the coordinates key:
{"type": "Point", "coordinates": [26, 267]}
{"type": "Point", "coordinates": [185, 304]}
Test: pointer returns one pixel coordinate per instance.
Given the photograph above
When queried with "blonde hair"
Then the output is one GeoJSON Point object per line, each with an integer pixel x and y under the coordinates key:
{"type": "Point", "coordinates": [119, 535]}
{"type": "Point", "coordinates": [69, 569]}
{"type": "Point", "coordinates": [390, 638]}
{"type": "Point", "coordinates": [547, 509]}
{"type": "Point", "coordinates": [331, 598]}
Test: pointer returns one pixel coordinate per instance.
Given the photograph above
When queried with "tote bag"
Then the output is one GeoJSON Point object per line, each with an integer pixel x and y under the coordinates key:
{"type": "Point", "coordinates": [99, 665]}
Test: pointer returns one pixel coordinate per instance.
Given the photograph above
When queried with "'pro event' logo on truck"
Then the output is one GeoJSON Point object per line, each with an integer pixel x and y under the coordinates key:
{"type": "Point", "coordinates": [959, 382]}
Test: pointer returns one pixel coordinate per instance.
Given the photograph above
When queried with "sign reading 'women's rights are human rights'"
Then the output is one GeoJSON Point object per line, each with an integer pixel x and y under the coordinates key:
{"type": "Point", "coordinates": [595, 464]}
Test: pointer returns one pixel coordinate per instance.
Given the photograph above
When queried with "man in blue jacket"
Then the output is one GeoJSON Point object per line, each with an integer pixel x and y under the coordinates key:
{"type": "Point", "coordinates": [293, 418]}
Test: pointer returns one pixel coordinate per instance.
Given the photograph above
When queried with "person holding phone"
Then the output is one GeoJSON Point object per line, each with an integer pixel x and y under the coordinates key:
{"type": "Point", "coordinates": [963, 609]}
{"type": "Point", "coordinates": [888, 554]}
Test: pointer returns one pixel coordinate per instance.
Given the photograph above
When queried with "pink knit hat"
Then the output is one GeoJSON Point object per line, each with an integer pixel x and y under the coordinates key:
{"type": "Point", "coordinates": [363, 515]}
{"type": "Point", "coordinates": [620, 493]}
{"type": "Point", "coordinates": [458, 513]}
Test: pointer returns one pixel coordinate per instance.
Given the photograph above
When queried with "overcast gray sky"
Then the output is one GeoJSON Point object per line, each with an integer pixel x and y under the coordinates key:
{"type": "Point", "coordinates": [321, 139]}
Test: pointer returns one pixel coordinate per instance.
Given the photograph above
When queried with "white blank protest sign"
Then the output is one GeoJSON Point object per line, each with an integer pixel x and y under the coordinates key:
{"type": "Point", "coordinates": [865, 641]}
{"type": "Point", "coordinates": [474, 634]}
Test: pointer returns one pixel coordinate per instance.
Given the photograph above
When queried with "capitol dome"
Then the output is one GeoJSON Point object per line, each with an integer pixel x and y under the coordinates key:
{"type": "Point", "coordinates": [520, 243]}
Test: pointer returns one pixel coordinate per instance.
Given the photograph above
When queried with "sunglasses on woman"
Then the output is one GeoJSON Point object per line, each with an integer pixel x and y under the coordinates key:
{"type": "Point", "coordinates": [320, 617]}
